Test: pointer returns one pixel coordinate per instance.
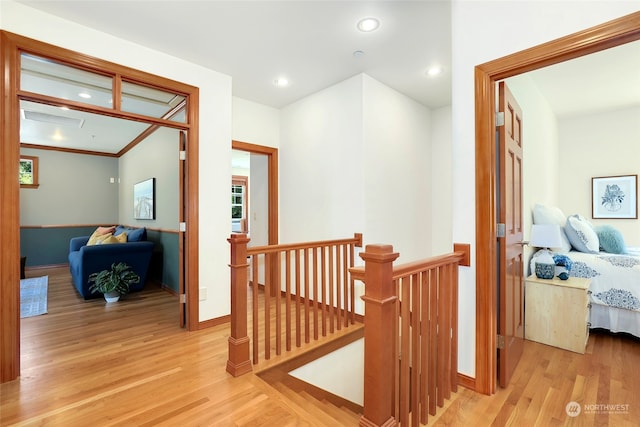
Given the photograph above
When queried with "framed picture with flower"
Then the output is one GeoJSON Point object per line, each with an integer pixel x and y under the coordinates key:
{"type": "Point", "coordinates": [615, 197]}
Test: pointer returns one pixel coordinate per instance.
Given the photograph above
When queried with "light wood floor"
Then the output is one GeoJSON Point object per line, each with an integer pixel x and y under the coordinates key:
{"type": "Point", "coordinates": [88, 364]}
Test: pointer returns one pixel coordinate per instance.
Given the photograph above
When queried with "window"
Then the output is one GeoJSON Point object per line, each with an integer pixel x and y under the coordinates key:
{"type": "Point", "coordinates": [28, 174]}
{"type": "Point", "coordinates": [239, 204]}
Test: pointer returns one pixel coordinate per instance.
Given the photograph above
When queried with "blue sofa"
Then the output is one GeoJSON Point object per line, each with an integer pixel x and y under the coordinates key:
{"type": "Point", "coordinates": [84, 260]}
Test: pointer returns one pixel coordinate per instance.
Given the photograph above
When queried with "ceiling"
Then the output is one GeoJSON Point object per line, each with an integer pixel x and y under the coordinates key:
{"type": "Point", "coordinates": [312, 44]}
{"type": "Point", "coordinates": [605, 80]}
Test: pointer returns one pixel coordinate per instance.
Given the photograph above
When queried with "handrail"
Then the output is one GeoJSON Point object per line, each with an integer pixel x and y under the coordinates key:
{"type": "Point", "coordinates": [460, 255]}
{"type": "Point", "coordinates": [411, 315]}
{"type": "Point", "coordinates": [298, 290]}
{"type": "Point", "coordinates": [356, 240]}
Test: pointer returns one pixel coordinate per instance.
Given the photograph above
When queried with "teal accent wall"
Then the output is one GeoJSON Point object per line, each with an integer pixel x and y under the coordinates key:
{"type": "Point", "coordinates": [50, 246]}
{"type": "Point", "coordinates": [164, 262]}
{"type": "Point", "coordinates": [47, 246]}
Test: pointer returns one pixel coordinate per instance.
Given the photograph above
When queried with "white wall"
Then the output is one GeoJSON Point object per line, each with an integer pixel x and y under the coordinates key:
{"type": "Point", "coordinates": [255, 123]}
{"type": "Point", "coordinates": [484, 31]}
{"type": "Point", "coordinates": [321, 168]}
{"type": "Point", "coordinates": [356, 157]}
{"type": "Point", "coordinates": [593, 145]}
{"type": "Point", "coordinates": [259, 200]}
{"type": "Point", "coordinates": [340, 372]}
{"type": "Point", "coordinates": [397, 167]}
{"type": "Point", "coordinates": [74, 189]}
{"type": "Point", "coordinates": [441, 178]}
{"type": "Point", "coordinates": [214, 131]}
{"type": "Point", "coordinates": [155, 157]}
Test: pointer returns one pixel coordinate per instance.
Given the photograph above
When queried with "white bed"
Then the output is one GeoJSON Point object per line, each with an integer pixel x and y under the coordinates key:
{"type": "Point", "coordinates": [615, 288]}
{"type": "Point", "coordinates": [615, 279]}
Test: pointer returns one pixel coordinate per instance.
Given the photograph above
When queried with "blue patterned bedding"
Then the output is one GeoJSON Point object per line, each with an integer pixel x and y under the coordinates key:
{"type": "Point", "coordinates": [615, 279]}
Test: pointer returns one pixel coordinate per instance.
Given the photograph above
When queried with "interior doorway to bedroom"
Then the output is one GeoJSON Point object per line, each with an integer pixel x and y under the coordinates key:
{"type": "Point", "coordinates": [604, 36]}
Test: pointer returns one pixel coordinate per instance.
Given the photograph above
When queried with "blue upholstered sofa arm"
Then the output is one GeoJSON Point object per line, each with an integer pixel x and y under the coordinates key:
{"type": "Point", "coordinates": [77, 242]}
{"type": "Point", "coordinates": [84, 260]}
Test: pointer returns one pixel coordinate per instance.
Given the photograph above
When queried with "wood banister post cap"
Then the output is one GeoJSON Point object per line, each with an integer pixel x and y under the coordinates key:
{"type": "Point", "coordinates": [379, 253]}
{"type": "Point", "coordinates": [238, 238]}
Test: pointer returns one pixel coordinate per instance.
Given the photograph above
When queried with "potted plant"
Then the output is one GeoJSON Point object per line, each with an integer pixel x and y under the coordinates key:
{"type": "Point", "coordinates": [113, 283]}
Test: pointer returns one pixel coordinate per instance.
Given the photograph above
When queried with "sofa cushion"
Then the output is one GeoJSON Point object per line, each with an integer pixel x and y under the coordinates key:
{"type": "Point", "coordinates": [97, 240]}
{"type": "Point", "coordinates": [110, 238]}
{"type": "Point", "coordinates": [137, 235]}
{"type": "Point", "coordinates": [133, 234]}
{"type": "Point", "coordinates": [99, 234]}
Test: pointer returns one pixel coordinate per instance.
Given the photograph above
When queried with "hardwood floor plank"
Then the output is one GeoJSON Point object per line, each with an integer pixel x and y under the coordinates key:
{"type": "Point", "coordinates": [88, 364]}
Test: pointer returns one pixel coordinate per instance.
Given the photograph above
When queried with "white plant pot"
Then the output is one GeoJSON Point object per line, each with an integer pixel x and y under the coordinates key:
{"type": "Point", "coordinates": [112, 296]}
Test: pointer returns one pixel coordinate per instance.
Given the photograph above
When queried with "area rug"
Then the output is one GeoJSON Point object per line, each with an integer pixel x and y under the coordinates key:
{"type": "Point", "coordinates": [33, 296]}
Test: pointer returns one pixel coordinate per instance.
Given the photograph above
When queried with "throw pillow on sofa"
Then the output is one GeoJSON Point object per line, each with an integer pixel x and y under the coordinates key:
{"type": "Point", "coordinates": [133, 234]}
{"type": "Point", "coordinates": [100, 234]}
{"type": "Point", "coordinates": [110, 238]}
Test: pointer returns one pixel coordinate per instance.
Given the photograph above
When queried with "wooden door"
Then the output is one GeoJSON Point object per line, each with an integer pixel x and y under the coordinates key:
{"type": "Point", "coordinates": [510, 262]}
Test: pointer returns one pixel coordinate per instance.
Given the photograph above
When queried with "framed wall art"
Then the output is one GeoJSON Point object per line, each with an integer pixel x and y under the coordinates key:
{"type": "Point", "coordinates": [615, 197]}
{"type": "Point", "coordinates": [144, 199]}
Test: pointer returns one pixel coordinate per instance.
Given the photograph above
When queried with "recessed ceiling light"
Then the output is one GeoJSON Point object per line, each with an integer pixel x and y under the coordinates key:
{"type": "Point", "coordinates": [281, 82]}
{"type": "Point", "coordinates": [358, 53]}
{"type": "Point", "coordinates": [434, 71]}
{"type": "Point", "coordinates": [368, 24]}
{"type": "Point", "coordinates": [84, 95]}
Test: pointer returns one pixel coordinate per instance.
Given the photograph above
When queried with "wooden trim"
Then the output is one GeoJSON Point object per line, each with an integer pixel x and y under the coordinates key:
{"type": "Point", "coordinates": [62, 226]}
{"type": "Point", "coordinates": [39, 267]}
{"type": "Point", "coordinates": [66, 150]}
{"type": "Point", "coordinates": [595, 39]}
{"type": "Point", "coordinates": [11, 46]}
{"type": "Point", "coordinates": [9, 213]}
{"type": "Point", "coordinates": [192, 195]}
{"type": "Point", "coordinates": [272, 165]}
{"type": "Point", "coordinates": [210, 323]}
{"type": "Point", "coordinates": [463, 249]}
{"type": "Point", "coordinates": [160, 230]}
{"type": "Point", "coordinates": [466, 381]}
{"type": "Point", "coordinates": [34, 171]}
{"type": "Point", "coordinates": [243, 181]}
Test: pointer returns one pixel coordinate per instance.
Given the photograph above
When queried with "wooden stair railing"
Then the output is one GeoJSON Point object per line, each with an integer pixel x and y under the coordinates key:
{"type": "Point", "coordinates": [306, 289]}
{"type": "Point", "coordinates": [411, 315]}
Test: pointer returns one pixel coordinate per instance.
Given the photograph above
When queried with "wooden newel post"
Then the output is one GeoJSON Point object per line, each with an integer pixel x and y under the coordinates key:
{"type": "Point", "coordinates": [379, 336]}
{"type": "Point", "coordinates": [238, 362]}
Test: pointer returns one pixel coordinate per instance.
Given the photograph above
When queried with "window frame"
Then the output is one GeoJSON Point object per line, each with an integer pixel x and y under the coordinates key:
{"type": "Point", "coordinates": [241, 181]}
{"type": "Point", "coordinates": [34, 171]}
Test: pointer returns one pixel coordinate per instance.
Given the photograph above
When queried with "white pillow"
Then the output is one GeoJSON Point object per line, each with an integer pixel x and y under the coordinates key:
{"type": "Point", "coordinates": [551, 215]}
{"type": "Point", "coordinates": [582, 235]}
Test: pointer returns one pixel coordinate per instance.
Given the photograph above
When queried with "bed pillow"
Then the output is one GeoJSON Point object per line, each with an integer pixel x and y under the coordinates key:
{"type": "Point", "coordinates": [551, 215]}
{"type": "Point", "coordinates": [581, 234]}
{"type": "Point", "coordinates": [611, 239]}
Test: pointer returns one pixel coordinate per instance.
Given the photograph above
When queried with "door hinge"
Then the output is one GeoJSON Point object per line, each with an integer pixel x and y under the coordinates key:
{"type": "Point", "coordinates": [183, 155]}
{"type": "Point", "coordinates": [499, 118]}
{"type": "Point", "coordinates": [183, 226]}
{"type": "Point", "coordinates": [500, 341]}
{"type": "Point", "coordinates": [501, 230]}
{"type": "Point", "coordinates": [183, 298]}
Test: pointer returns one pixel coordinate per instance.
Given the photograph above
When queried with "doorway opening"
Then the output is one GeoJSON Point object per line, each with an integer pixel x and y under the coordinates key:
{"type": "Point", "coordinates": [262, 212]}
{"type": "Point", "coordinates": [119, 78]}
{"type": "Point", "coordinates": [607, 35]}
